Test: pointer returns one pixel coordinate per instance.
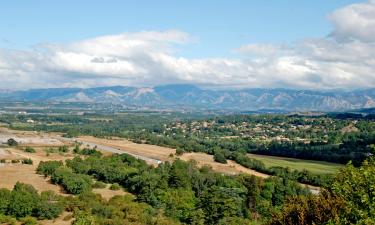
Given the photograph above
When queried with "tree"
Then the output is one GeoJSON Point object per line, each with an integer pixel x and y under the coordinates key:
{"type": "Point", "coordinates": [23, 199]}
{"type": "Point", "coordinates": [356, 187]}
{"type": "Point", "coordinates": [12, 142]}
{"type": "Point", "coordinates": [322, 209]}
{"type": "Point", "coordinates": [48, 168]}
{"type": "Point", "coordinates": [180, 204]}
{"type": "Point", "coordinates": [220, 202]}
{"type": "Point", "coordinates": [348, 200]}
{"type": "Point", "coordinates": [5, 198]}
{"type": "Point", "coordinates": [220, 157]}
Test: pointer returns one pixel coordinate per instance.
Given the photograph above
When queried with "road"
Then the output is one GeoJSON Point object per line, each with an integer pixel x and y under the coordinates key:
{"type": "Point", "coordinates": [112, 150]}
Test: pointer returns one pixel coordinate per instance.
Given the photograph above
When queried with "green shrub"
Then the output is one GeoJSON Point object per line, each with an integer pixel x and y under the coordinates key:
{"type": "Point", "coordinates": [29, 221]}
{"type": "Point", "coordinates": [179, 151]}
{"type": "Point", "coordinates": [15, 161]}
{"type": "Point", "coordinates": [220, 157]}
{"type": "Point", "coordinates": [99, 184]}
{"type": "Point", "coordinates": [63, 148]}
{"type": "Point", "coordinates": [7, 220]}
{"type": "Point", "coordinates": [27, 161]}
{"type": "Point", "coordinates": [115, 187]}
{"type": "Point", "coordinates": [12, 142]}
{"type": "Point", "coordinates": [72, 183]}
{"type": "Point", "coordinates": [48, 168]}
{"type": "Point", "coordinates": [29, 149]}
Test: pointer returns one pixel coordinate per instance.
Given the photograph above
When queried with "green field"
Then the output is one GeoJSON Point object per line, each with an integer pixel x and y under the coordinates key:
{"type": "Point", "coordinates": [317, 167]}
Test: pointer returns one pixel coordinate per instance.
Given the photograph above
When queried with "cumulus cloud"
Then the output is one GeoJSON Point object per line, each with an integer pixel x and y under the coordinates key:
{"type": "Point", "coordinates": [355, 22]}
{"type": "Point", "coordinates": [344, 59]}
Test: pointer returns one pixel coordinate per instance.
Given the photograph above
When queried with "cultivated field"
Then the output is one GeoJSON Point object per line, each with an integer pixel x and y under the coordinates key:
{"type": "Point", "coordinates": [317, 167]}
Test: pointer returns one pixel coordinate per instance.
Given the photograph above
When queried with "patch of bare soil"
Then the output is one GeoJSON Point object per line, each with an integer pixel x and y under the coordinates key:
{"type": "Point", "coordinates": [30, 138]}
{"type": "Point", "coordinates": [107, 194]}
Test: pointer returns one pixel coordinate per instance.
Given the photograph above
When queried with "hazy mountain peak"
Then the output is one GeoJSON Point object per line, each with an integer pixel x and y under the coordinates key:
{"type": "Point", "coordinates": [186, 95]}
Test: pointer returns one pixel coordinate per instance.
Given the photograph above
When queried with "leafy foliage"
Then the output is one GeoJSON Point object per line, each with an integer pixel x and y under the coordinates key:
{"type": "Point", "coordinates": [349, 200]}
{"type": "Point", "coordinates": [12, 142]}
{"type": "Point", "coordinates": [24, 201]}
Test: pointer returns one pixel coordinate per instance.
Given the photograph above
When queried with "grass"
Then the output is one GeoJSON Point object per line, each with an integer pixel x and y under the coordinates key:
{"type": "Point", "coordinates": [317, 167]}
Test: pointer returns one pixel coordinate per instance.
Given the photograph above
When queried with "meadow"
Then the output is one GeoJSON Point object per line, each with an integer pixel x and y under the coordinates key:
{"type": "Point", "coordinates": [316, 167]}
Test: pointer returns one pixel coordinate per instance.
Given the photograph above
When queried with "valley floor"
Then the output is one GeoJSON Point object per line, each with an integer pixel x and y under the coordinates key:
{"type": "Point", "coordinates": [10, 174]}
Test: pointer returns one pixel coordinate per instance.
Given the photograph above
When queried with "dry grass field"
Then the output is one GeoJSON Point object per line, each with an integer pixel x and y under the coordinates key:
{"type": "Point", "coordinates": [230, 168]}
{"type": "Point", "coordinates": [11, 173]}
{"type": "Point", "coordinates": [106, 193]}
{"type": "Point", "coordinates": [151, 151]}
{"type": "Point", "coordinates": [163, 154]}
{"type": "Point", "coordinates": [29, 138]}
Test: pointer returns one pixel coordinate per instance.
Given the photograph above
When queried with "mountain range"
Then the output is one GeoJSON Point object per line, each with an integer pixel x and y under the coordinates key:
{"type": "Point", "coordinates": [185, 95]}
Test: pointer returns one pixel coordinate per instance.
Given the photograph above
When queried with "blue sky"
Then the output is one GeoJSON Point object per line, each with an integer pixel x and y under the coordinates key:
{"type": "Point", "coordinates": [219, 26]}
{"type": "Point", "coordinates": [317, 44]}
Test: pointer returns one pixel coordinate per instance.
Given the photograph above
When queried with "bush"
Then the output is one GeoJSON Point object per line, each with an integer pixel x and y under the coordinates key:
{"type": "Point", "coordinates": [115, 187]}
{"type": "Point", "coordinates": [7, 220]}
{"type": "Point", "coordinates": [15, 161]}
{"type": "Point", "coordinates": [220, 157]}
{"type": "Point", "coordinates": [27, 161]}
{"type": "Point", "coordinates": [5, 197]}
{"type": "Point", "coordinates": [179, 151]}
{"type": "Point", "coordinates": [99, 184]}
{"type": "Point", "coordinates": [2, 161]}
{"type": "Point", "coordinates": [12, 142]}
{"type": "Point", "coordinates": [25, 202]}
{"type": "Point", "coordinates": [72, 183]}
{"type": "Point", "coordinates": [29, 149]}
{"type": "Point", "coordinates": [90, 152]}
{"type": "Point", "coordinates": [63, 148]}
{"type": "Point", "coordinates": [29, 221]}
{"type": "Point", "coordinates": [48, 168]}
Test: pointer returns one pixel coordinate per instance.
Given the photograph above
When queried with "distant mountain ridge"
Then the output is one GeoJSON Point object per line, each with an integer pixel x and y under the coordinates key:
{"type": "Point", "coordinates": [183, 95]}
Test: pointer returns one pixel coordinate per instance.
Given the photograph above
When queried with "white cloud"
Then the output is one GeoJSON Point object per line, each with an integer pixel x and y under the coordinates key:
{"type": "Point", "coordinates": [356, 21]}
{"type": "Point", "coordinates": [345, 59]}
{"type": "Point", "coordinates": [262, 49]}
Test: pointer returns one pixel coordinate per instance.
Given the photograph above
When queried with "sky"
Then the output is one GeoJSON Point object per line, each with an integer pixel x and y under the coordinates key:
{"type": "Point", "coordinates": [295, 44]}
